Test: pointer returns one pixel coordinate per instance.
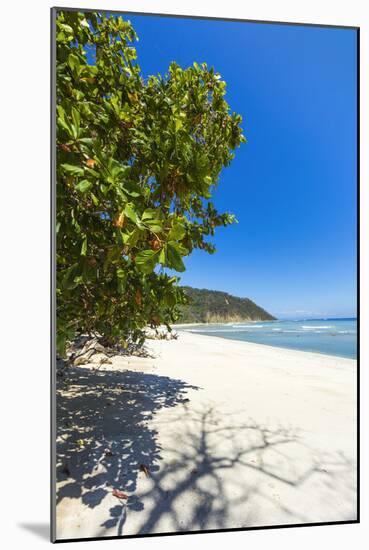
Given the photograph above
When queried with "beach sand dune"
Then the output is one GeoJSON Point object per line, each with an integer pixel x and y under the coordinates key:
{"type": "Point", "coordinates": [206, 433]}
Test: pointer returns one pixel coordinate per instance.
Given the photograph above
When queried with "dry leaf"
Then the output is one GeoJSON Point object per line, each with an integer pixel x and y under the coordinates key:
{"type": "Point", "coordinates": [138, 298]}
{"type": "Point", "coordinates": [119, 221]}
{"type": "Point", "coordinates": [120, 494]}
{"type": "Point", "coordinates": [65, 147]}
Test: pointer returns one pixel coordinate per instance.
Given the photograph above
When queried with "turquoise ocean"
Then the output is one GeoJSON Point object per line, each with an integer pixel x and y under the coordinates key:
{"type": "Point", "coordinates": [329, 336]}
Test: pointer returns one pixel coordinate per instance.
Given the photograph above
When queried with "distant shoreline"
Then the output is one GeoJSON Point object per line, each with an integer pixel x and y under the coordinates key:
{"type": "Point", "coordinates": [267, 321]}
{"type": "Point", "coordinates": [225, 322]}
{"type": "Point", "coordinates": [336, 337]}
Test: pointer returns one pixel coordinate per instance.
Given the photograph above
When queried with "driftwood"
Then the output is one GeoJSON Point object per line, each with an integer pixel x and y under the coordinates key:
{"type": "Point", "coordinates": [83, 348]}
{"type": "Point", "coordinates": [91, 347]}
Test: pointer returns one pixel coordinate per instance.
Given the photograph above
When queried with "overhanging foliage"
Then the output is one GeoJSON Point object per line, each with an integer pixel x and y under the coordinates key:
{"type": "Point", "coordinates": [137, 161]}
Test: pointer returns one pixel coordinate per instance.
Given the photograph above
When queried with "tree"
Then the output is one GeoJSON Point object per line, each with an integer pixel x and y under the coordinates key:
{"type": "Point", "coordinates": [137, 160]}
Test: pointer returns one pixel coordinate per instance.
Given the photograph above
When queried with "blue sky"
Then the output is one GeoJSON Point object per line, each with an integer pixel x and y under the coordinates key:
{"type": "Point", "coordinates": [293, 185]}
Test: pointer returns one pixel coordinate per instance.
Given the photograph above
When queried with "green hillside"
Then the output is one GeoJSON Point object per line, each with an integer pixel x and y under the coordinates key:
{"type": "Point", "coordinates": [212, 306]}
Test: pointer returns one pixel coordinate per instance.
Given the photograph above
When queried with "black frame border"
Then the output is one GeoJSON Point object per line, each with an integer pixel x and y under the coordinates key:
{"type": "Point", "coordinates": [53, 13]}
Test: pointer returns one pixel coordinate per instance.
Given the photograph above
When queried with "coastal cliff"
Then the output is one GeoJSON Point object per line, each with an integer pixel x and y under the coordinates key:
{"type": "Point", "coordinates": [213, 306]}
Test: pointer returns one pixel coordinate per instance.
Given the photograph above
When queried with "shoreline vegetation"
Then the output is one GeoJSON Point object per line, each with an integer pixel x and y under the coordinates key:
{"type": "Point", "coordinates": [276, 448]}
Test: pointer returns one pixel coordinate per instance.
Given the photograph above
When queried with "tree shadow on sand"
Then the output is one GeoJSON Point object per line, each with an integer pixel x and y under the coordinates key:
{"type": "Point", "coordinates": [208, 471]}
{"type": "Point", "coordinates": [104, 439]}
{"type": "Point", "coordinates": [224, 467]}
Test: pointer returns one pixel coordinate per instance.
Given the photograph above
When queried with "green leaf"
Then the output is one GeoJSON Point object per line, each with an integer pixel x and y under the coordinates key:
{"type": "Point", "coordinates": [177, 232]}
{"type": "Point", "coordinates": [122, 280]}
{"type": "Point", "coordinates": [154, 225]}
{"type": "Point", "coordinates": [84, 247]}
{"type": "Point", "coordinates": [180, 248]}
{"type": "Point", "coordinates": [149, 213]}
{"type": "Point", "coordinates": [131, 238]}
{"type": "Point", "coordinates": [84, 23]}
{"type": "Point", "coordinates": [68, 276]}
{"type": "Point", "coordinates": [104, 189]}
{"type": "Point", "coordinates": [174, 258]}
{"type": "Point", "coordinates": [162, 257]}
{"type": "Point", "coordinates": [95, 200]}
{"type": "Point", "coordinates": [86, 141]}
{"type": "Point", "coordinates": [66, 126]}
{"type": "Point", "coordinates": [178, 124]}
{"type": "Point", "coordinates": [130, 213]}
{"type": "Point", "coordinates": [76, 121]}
{"type": "Point", "coordinates": [61, 112]}
{"type": "Point", "coordinates": [66, 28]}
{"type": "Point", "coordinates": [146, 260]}
{"type": "Point", "coordinates": [72, 169]}
{"type": "Point", "coordinates": [133, 194]}
{"type": "Point", "coordinates": [83, 186]}
{"type": "Point", "coordinates": [74, 63]}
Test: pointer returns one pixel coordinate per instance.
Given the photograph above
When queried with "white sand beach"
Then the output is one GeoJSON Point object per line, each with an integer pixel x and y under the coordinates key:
{"type": "Point", "coordinates": [206, 433]}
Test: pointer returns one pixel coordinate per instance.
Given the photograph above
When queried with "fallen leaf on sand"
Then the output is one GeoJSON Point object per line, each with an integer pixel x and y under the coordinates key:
{"type": "Point", "coordinates": [120, 494]}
